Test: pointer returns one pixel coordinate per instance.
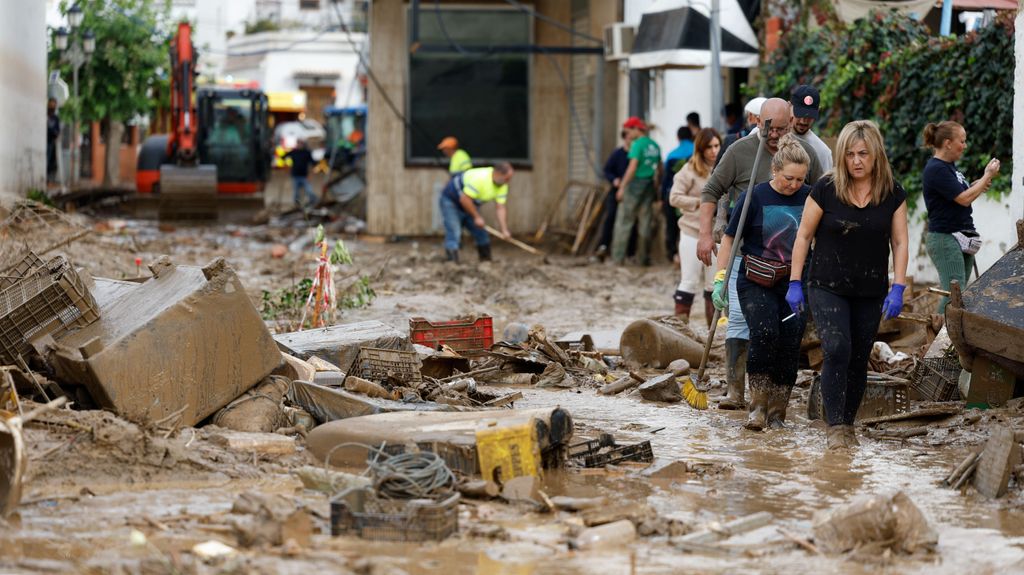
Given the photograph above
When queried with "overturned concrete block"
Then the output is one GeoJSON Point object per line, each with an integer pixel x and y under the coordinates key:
{"type": "Point", "coordinates": [339, 344]}
{"type": "Point", "coordinates": [188, 340]}
{"type": "Point", "coordinates": [663, 388]}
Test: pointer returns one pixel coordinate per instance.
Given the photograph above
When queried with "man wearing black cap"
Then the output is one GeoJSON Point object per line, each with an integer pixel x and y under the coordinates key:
{"type": "Point", "coordinates": [805, 100]}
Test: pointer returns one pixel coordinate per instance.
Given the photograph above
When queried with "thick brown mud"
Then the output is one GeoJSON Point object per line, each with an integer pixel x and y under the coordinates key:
{"type": "Point", "coordinates": [86, 491]}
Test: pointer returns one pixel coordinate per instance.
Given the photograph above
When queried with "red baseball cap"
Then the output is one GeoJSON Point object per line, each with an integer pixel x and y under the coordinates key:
{"type": "Point", "coordinates": [634, 122]}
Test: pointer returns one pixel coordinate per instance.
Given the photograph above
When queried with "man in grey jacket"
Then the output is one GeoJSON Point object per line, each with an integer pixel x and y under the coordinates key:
{"type": "Point", "coordinates": [730, 178]}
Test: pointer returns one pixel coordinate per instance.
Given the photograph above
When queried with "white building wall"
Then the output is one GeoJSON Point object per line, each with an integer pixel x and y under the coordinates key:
{"type": "Point", "coordinates": [674, 94]}
{"type": "Point", "coordinates": [212, 21]}
{"type": "Point", "coordinates": [273, 58]}
{"type": "Point", "coordinates": [23, 97]}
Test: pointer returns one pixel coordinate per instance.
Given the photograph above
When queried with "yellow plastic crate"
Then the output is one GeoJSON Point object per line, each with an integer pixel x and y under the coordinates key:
{"type": "Point", "coordinates": [508, 450]}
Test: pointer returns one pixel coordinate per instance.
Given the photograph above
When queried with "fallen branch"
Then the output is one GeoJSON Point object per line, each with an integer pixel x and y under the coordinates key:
{"type": "Point", "coordinates": [800, 541]}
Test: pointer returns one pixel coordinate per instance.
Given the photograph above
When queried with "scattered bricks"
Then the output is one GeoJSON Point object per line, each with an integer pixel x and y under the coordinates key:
{"type": "Point", "coordinates": [1001, 455]}
{"type": "Point", "coordinates": [663, 388]}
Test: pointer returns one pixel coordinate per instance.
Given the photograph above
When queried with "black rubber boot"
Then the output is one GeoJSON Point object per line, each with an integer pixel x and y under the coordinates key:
{"type": "Point", "coordinates": [683, 303]}
{"type": "Point", "coordinates": [735, 374]}
{"type": "Point", "coordinates": [484, 252]}
{"type": "Point", "coordinates": [452, 255]}
{"type": "Point", "coordinates": [760, 385]}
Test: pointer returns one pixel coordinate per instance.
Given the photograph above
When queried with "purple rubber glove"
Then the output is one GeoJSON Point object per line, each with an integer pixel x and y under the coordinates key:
{"type": "Point", "coordinates": [893, 304]}
{"type": "Point", "coordinates": [795, 296]}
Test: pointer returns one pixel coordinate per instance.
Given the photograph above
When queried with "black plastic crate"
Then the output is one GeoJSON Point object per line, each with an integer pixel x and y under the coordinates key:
{"type": "Point", "coordinates": [360, 513]}
{"type": "Point", "coordinates": [376, 364]}
{"type": "Point", "coordinates": [590, 454]}
{"type": "Point", "coordinates": [937, 378]}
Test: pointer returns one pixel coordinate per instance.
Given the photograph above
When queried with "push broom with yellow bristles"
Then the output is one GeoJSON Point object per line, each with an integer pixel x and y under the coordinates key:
{"type": "Point", "coordinates": [694, 391]}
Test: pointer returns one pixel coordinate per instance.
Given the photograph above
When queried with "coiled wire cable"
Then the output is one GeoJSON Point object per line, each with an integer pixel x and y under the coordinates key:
{"type": "Point", "coordinates": [416, 475]}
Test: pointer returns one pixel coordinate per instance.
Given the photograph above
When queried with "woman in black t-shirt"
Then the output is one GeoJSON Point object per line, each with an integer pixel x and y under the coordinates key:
{"type": "Point", "coordinates": [948, 197]}
{"type": "Point", "coordinates": [855, 216]}
{"type": "Point", "coordinates": [769, 230]}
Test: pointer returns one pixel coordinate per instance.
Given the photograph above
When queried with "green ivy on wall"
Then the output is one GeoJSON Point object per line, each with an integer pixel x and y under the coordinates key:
{"type": "Point", "coordinates": [888, 68]}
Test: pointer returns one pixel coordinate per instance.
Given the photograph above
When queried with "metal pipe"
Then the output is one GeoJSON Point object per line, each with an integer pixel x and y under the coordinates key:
{"type": "Point", "coordinates": [510, 49]}
{"type": "Point", "coordinates": [947, 17]}
{"type": "Point", "coordinates": [598, 117]}
{"type": "Point", "coordinates": [415, 8]}
{"type": "Point", "coordinates": [716, 67]}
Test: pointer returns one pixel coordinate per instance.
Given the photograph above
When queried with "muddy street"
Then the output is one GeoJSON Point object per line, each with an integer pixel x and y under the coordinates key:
{"type": "Point", "coordinates": [105, 495]}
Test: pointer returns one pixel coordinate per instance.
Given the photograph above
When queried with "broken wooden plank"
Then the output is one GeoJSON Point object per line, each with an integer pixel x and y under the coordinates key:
{"type": "Point", "coordinates": [625, 382]}
{"type": "Point", "coordinates": [928, 413]}
{"type": "Point", "coordinates": [504, 400]}
{"type": "Point", "coordinates": [959, 469]}
{"type": "Point", "coordinates": [267, 443]}
{"type": "Point", "coordinates": [1001, 455]}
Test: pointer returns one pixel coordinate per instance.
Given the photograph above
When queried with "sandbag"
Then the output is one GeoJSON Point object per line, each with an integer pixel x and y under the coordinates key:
{"type": "Point", "coordinates": [257, 410]}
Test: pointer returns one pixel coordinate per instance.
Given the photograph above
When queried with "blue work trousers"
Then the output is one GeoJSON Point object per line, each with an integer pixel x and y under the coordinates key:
{"type": "Point", "coordinates": [456, 218]}
{"type": "Point", "coordinates": [300, 183]}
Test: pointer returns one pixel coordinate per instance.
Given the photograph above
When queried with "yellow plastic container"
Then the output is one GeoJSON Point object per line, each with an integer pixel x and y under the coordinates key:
{"type": "Point", "coordinates": [508, 450]}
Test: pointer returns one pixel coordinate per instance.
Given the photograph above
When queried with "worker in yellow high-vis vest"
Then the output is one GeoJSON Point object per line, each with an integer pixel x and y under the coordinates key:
{"type": "Point", "coordinates": [460, 201]}
{"type": "Point", "coordinates": [458, 159]}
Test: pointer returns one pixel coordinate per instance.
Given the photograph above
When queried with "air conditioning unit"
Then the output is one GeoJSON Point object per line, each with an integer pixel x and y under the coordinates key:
{"type": "Point", "coordinates": [618, 41]}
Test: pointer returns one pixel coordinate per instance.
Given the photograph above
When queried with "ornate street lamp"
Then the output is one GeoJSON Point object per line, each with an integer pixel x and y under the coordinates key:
{"type": "Point", "coordinates": [76, 46]}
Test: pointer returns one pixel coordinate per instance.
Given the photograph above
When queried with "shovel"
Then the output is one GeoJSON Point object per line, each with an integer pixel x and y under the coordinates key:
{"type": "Point", "coordinates": [694, 392]}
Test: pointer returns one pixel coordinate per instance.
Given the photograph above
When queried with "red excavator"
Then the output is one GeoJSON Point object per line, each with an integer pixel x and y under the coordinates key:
{"type": "Point", "coordinates": [216, 159]}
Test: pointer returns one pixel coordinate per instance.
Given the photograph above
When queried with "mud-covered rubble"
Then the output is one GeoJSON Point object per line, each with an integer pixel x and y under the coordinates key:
{"type": "Point", "coordinates": [246, 488]}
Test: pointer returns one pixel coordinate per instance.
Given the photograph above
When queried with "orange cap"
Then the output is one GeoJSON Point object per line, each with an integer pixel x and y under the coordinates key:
{"type": "Point", "coordinates": [448, 142]}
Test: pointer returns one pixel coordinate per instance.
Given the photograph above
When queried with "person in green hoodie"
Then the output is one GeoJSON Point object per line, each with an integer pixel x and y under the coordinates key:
{"type": "Point", "coordinates": [637, 194]}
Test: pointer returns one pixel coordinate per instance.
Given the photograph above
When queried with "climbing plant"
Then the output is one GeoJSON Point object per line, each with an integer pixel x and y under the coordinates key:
{"type": "Point", "coordinates": [887, 67]}
{"type": "Point", "coordinates": [968, 79]}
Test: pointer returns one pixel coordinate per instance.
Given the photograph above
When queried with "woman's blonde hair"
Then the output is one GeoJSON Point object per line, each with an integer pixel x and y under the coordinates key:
{"type": "Point", "coordinates": [881, 173]}
{"type": "Point", "coordinates": [700, 144]}
{"type": "Point", "coordinates": [791, 151]}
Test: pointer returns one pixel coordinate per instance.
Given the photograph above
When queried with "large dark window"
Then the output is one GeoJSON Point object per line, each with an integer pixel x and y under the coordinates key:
{"type": "Point", "coordinates": [482, 99]}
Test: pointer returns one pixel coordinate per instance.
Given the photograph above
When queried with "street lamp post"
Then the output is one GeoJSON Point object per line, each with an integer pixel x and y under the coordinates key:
{"type": "Point", "coordinates": [76, 47]}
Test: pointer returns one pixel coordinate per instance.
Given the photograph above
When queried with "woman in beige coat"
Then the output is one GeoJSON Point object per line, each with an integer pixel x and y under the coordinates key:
{"type": "Point", "coordinates": [685, 197]}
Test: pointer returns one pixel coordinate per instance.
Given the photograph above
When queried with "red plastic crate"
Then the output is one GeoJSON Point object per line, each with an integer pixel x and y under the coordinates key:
{"type": "Point", "coordinates": [460, 334]}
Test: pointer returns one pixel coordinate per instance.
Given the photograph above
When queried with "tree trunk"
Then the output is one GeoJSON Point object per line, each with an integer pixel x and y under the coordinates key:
{"type": "Point", "coordinates": [112, 161]}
